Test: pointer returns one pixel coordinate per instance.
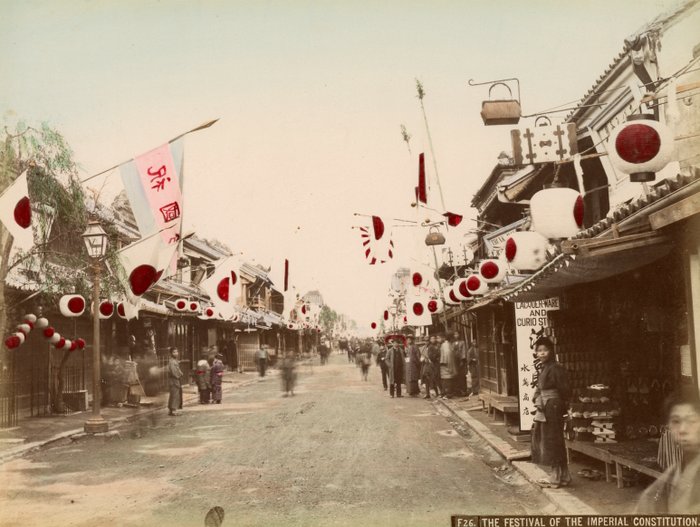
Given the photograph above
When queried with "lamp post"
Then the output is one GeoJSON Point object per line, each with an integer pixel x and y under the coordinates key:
{"type": "Point", "coordinates": [95, 239]}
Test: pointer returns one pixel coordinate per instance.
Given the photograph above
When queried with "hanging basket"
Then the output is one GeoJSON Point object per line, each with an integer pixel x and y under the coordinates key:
{"type": "Point", "coordinates": [500, 111]}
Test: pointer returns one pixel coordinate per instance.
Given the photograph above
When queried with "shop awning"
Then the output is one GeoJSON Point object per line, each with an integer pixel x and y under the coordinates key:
{"type": "Point", "coordinates": [512, 187]}
{"type": "Point", "coordinates": [601, 259]}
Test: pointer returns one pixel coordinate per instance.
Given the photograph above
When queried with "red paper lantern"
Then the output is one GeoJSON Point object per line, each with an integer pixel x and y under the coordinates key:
{"type": "Point", "coordinates": [640, 147]}
{"type": "Point", "coordinates": [193, 307]}
{"type": "Point", "coordinates": [48, 332]}
{"type": "Point", "coordinates": [476, 285]}
{"type": "Point", "coordinates": [80, 343]}
{"type": "Point", "coordinates": [73, 346]}
{"type": "Point", "coordinates": [59, 343]}
{"type": "Point", "coordinates": [12, 342]}
{"type": "Point", "coordinates": [492, 271]}
{"type": "Point", "coordinates": [526, 250]}
{"type": "Point", "coordinates": [181, 304]}
{"type": "Point", "coordinates": [106, 309]}
{"type": "Point", "coordinates": [120, 310]}
{"type": "Point", "coordinates": [71, 305]}
{"type": "Point", "coordinates": [557, 212]}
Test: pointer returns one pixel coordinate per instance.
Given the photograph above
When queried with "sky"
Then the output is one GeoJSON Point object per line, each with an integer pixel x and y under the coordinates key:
{"type": "Point", "coordinates": [311, 97]}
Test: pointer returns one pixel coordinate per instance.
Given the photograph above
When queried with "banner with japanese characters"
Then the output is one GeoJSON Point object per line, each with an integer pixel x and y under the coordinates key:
{"type": "Point", "coordinates": [153, 184]}
{"type": "Point", "coordinates": [530, 323]}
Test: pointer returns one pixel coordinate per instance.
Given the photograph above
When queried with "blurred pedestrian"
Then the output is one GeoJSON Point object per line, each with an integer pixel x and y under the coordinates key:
{"type": "Point", "coordinates": [677, 490]}
{"type": "Point", "coordinates": [365, 362]}
{"type": "Point", "coordinates": [551, 401]}
{"type": "Point", "coordinates": [216, 377]}
{"type": "Point", "coordinates": [203, 379]}
{"type": "Point", "coordinates": [395, 363]}
{"type": "Point", "coordinates": [174, 383]}
{"type": "Point", "coordinates": [473, 364]}
{"type": "Point", "coordinates": [460, 349]}
{"type": "Point", "coordinates": [288, 373]}
{"type": "Point", "coordinates": [412, 367]}
{"type": "Point", "coordinates": [448, 367]}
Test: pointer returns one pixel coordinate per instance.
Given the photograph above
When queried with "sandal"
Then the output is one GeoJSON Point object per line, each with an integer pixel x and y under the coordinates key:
{"type": "Point", "coordinates": [546, 484]}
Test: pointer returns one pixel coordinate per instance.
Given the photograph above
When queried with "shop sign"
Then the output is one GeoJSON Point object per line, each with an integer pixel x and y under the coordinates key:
{"type": "Point", "coordinates": [530, 324]}
{"type": "Point", "coordinates": [495, 240]}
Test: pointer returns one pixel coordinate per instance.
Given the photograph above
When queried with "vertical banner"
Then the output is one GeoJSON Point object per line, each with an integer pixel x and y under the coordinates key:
{"type": "Point", "coordinates": [530, 323]}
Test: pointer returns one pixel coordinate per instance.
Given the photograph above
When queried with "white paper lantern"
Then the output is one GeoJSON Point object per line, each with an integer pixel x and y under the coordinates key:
{"type": "Point", "coordinates": [450, 298]}
{"type": "Point", "coordinates": [476, 285]}
{"type": "Point", "coordinates": [41, 323]}
{"type": "Point", "coordinates": [121, 311]}
{"type": "Point", "coordinates": [640, 147]}
{"type": "Point", "coordinates": [526, 250]}
{"type": "Point", "coordinates": [30, 317]}
{"type": "Point", "coordinates": [71, 305]}
{"type": "Point", "coordinates": [66, 344]}
{"type": "Point", "coordinates": [435, 306]}
{"type": "Point", "coordinates": [24, 328]}
{"type": "Point", "coordinates": [557, 212]}
{"type": "Point", "coordinates": [459, 289]}
{"type": "Point", "coordinates": [20, 336]}
{"type": "Point", "coordinates": [106, 309]}
{"type": "Point", "coordinates": [54, 338]}
{"type": "Point", "coordinates": [492, 271]}
{"type": "Point", "coordinates": [181, 304]}
{"type": "Point", "coordinates": [193, 306]}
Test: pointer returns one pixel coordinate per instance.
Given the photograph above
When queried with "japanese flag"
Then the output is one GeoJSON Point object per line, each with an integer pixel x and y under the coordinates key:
{"type": "Point", "coordinates": [376, 242]}
{"type": "Point", "coordinates": [224, 287]}
{"type": "Point", "coordinates": [16, 213]}
{"type": "Point", "coordinates": [131, 310]}
{"type": "Point", "coordinates": [144, 262]}
{"type": "Point", "coordinates": [417, 312]}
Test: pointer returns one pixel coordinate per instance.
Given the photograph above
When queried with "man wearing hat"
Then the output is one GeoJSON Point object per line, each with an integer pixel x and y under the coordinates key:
{"type": "Point", "coordinates": [217, 373]}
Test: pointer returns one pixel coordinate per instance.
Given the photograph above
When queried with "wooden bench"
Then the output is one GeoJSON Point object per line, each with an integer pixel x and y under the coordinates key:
{"type": "Point", "coordinates": [589, 449]}
{"type": "Point", "coordinates": [621, 461]}
{"type": "Point", "coordinates": [504, 403]}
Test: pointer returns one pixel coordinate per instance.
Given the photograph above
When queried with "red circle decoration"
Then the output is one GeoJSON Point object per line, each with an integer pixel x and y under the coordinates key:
{"type": "Point", "coordinates": [80, 343]}
{"type": "Point", "coordinates": [23, 213]}
{"type": "Point", "coordinates": [638, 143]}
{"type": "Point", "coordinates": [417, 279]}
{"type": "Point", "coordinates": [181, 304]}
{"type": "Point", "coordinates": [463, 290]}
{"type": "Point", "coordinates": [61, 342]}
{"type": "Point", "coordinates": [106, 309]}
{"type": "Point", "coordinates": [373, 325]}
{"type": "Point", "coordinates": [386, 315]}
{"type": "Point", "coordinates": [12, 342]}
{"type": "Point", "coordinates": [143, 277]}
{"type": "Point", "coordinates": [511, 249]}
{"type": "Point", "coordinates": [48, 332]}
{"type": "Point", "coordinates": [489, 269]}
{"type": "Point", "coordinates": [193, 306]}
{"type": "Point", "coordinates": [433, 306]}
{"type": "Point", "coordinates": [417, 309]}
{"type": "Point", "coordinates": [473, 283]}
{"type": "Point", "coordinates": [210, 312]}
{"type": "Point", "coordinates": [76, 304]}
{"type": "Point", "coordinates": [222, 289]}
{"type": "Point", "coordinates": [578, 211]}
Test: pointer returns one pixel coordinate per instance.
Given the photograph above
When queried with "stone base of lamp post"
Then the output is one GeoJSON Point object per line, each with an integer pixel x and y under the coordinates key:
{"type": "Point", "coordinates": [96, 425]}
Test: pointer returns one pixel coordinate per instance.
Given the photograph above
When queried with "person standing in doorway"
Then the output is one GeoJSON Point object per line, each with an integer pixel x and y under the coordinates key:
{"type": "Point", "coordinates": [551, 400]}
{"type": "Point", "coordinates": [174, 383]}
{"type": "Point", "coordinates": [395, 363]}
{"type": "Point", "coordinates": [217, 375]}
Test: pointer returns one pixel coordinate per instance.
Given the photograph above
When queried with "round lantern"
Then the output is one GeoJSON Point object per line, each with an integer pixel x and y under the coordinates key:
{"type": "Point", "coordinates": [30, 318]}
{"type": "Point", "coordinates": [73, 346]}
{"type": "Point", "coordinates": [476, 285]}
{"type": "Point", "coordinates": [12, 342]}
{"type": "Point", "coordinates": [459, 289]}
{"type": "Point", "coordinates": [492, 271]}
{"type": "Point", "coordinates": [24, 328]}
{"type": "Point", "coordinates": [640, 147]}
{"type": "Point", "coordinates": [193, 306]}
{"type": "Point", "coordinates": [236, 317]}
{"type": "Point", "coordinates": [41, 323]}
{"type": "Point", "coordinates": [435, 306]}
{"type": "Point", "coordinates": [80, 343]}
{"type": "Point", "coordinates": [121, 312]}
{"type": "Point", "coordinates": [59, 343]}
{"type": "Point", "coordinates": [71, 305]}
{"type": "Point", "coordinates": [48, 332]}
{"type": "Point", "coordinates": [526, 250]}
{"type": "Point", "coordinates": [209, 312]}
{"type": "Point", "coordinates": [106, 309]}
{"type": "Point", "coordinates": [557, 212]}
{"type": "Point", "coordinates": [450, 298]}
{"type": "Point", "coordinates": [55, 338]}
{"type": "Point", "coordinates": [67, 344]}
{"type": "Point", "coordinates": [181, 304]}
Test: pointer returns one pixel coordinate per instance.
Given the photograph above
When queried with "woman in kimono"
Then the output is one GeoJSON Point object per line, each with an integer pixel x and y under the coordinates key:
{"type": "Point", "coordinates": [552, 401]}
{"type": "Point", "coordinates": [677, 491]}
{"type": "Point", "coordinates": [217, 373]}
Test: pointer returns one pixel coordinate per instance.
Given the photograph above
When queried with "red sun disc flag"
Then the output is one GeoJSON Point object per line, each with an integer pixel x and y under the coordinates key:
{"type": "Point", "coordinates": [144, 262]}
{"type": "Point", "coordinates": [378, 245]}
{"type": "Point", "coordinates": [222, 287]}
{"type": "Point", "coordinates": [16, 213]}
{"type": "Point", "coordinates": [453, 220]}
{"type": "Point", "coordinates": [422, 189]}
{"type": "Point", "coordinates": [378, 227]}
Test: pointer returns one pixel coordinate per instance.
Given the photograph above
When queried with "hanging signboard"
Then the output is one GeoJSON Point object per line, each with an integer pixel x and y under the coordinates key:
{"type": "Point", "coordinates": [494, 241]}
{"type": "Point", "coordinates": [530, 323]}
{"type": "Point", "coordinates": [543, 144]}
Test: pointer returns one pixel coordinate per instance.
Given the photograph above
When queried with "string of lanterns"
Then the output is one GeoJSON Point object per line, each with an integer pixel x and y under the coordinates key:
{"type": "Point", "coordinates": [31, 322]}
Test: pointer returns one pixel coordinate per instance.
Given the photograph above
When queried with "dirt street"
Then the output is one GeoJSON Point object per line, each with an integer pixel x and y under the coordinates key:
{"type": "Point", "coordinates": [340, 452]}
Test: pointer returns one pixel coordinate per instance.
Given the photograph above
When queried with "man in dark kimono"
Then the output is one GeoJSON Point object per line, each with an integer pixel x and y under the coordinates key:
{"type": "Point", "coordinates": [381, 362]}
{"type": "Point", "coordinates": [395, 363]}
{"type": "Point", "coordinates": [217, 374]}
{"type": "Point", "coordinates": [174, 383]}
{"type": "Point", "coordinates": [412, 368]}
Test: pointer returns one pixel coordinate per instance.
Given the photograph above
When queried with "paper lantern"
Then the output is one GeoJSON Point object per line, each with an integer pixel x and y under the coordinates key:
{"type": "Point", "coordinates": [209, 312]}
{"type": "Point", "coordinates": [236, 317]}
{"type": "Point", "coordinates": [492, 271]}
{"type": "Point", "coordinates": [526, 250]}
{"type": "Point", "coordinates": [435, 306]}
{"type": "Point", "coordinates": [30, 318]}
{"type": "Point", "coordinates": [106, 309]}
{"type": "Point", "coordinates": [59, 343]}
{"type": "Point", "coordinates": [459, 289]}
{"type": "Point", "coordinates": [21, 336]}
{"type": "Point", "coordinates": [80, 343]}
{"type": "Point", "coordinates": [476, 285]}
{"type": "Point", "coordinates": [121, 312]}
{"type": "Point", "coordinates": [66, 344]}
{"type": "Point", "coordinates": [181, 304]}
{"type": "Point", "coordinates": [24, 328]}
{"type": "Point", "coordinates": [56, 337]}
{"type": "Point", "coordinates": [73, 346]}
{"type": "Point", "coordinates": [12, 342]}
{"type": "Point", "coordinates": [41, 323]}
{"type": "Point", "coordinates": [557, 212]}
{"type": "Point", "coordinates": [640, 147]}
{"type": "Point", "coordinates": [193, 306]}
{"type": "Point", "coordinates": [71, 305]}
{"type": "Point", "coordinates": [48, 332]}
{"type": "Point", "coordinates": [450, 298]}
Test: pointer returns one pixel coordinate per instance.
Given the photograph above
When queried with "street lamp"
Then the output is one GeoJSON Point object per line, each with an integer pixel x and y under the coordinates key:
{"type": "Point", "coordinates": [95, 239]}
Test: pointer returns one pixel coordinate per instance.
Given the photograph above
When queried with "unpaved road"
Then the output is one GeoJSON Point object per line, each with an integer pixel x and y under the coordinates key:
{"type": "Point", "coordinates": [339, 453]}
